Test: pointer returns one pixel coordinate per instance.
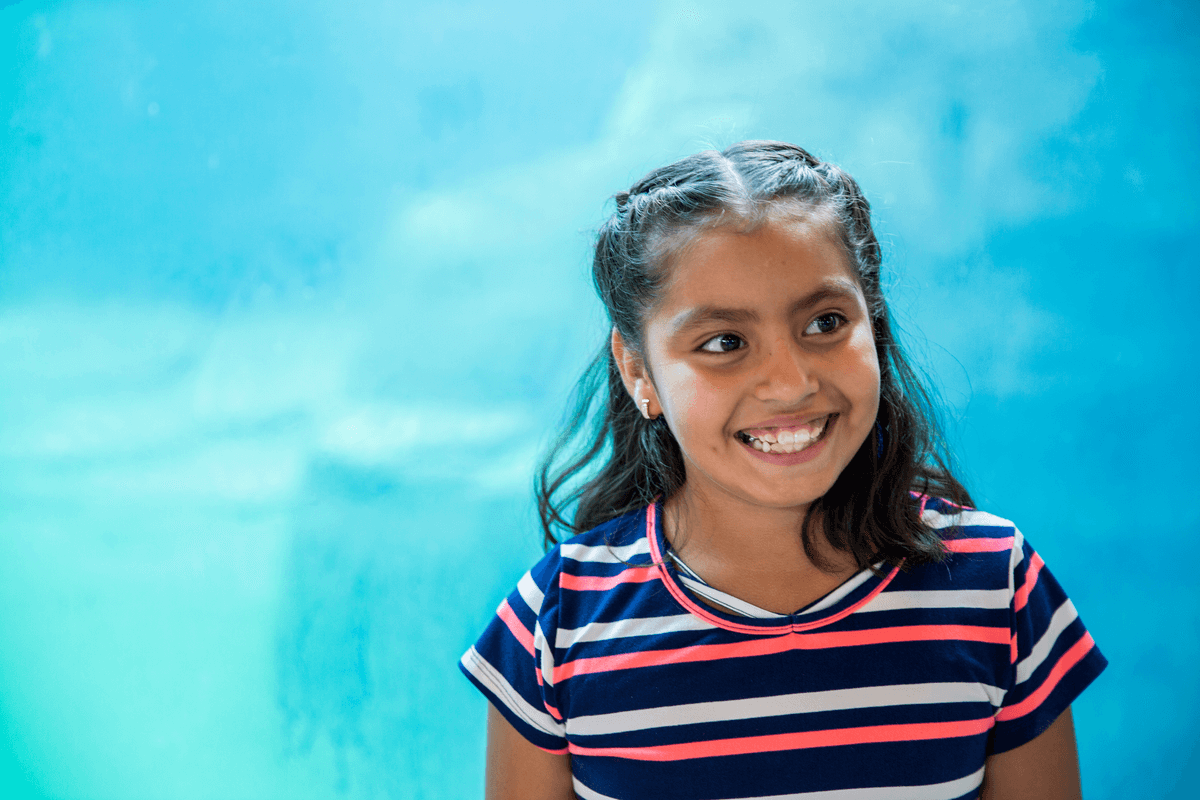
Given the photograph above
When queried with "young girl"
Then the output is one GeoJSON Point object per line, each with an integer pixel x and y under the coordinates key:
{"type": "Point", "coordinates": [778, 588]}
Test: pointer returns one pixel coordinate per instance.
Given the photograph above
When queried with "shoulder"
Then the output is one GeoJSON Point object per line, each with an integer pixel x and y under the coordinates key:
{"type": "Point", "coordinates": [982, 547]}
{"type": "Point", "coordinates": [970, 530]}
{"type": "Point", "coordinates": [621, 540]}
{"type": "Point", "coordinates": [956, 522]}
{"type": "Point", "coordinates": [608, 548]}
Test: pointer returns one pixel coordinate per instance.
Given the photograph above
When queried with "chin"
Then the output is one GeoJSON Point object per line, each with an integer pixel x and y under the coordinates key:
{"type": "Point", "coordinates": [784, 498]}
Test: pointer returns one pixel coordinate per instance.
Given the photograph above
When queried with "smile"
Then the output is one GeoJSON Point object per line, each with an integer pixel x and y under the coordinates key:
{"type": "Point", "coordinates": [786, 440]}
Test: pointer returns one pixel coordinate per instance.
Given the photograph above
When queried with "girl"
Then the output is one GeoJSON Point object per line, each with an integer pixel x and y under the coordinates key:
{"type": "Point", "coordinates": [777, 588]}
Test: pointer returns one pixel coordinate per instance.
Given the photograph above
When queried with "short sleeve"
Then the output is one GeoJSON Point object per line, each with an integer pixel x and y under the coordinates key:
{"type": "Point", "coordinates": [512, 663]}
{"type": "Point", "coordinates": [1053, 657]}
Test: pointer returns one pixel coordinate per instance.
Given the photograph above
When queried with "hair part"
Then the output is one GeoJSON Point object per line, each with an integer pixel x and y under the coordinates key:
{"type": "Point", "coordinates": [873, 510]}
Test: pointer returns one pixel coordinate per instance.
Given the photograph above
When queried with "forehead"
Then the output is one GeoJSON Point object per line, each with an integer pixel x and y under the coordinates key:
{"type": "Point", "coordinates": [773, 264]}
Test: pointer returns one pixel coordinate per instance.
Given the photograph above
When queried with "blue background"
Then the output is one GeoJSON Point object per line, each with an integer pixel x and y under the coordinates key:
{"type": "Point", "coordinates": [291, 294]}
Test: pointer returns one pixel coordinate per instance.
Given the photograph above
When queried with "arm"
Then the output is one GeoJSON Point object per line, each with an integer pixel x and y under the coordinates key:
{"type": "Point", "coordinates": [1046, 768]}
{"type": "Point", "coordinates": [517, 770]}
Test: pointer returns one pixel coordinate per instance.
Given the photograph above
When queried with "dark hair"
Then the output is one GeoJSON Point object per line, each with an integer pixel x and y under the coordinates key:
{"type": "Point", "coordinates": [873, 510]}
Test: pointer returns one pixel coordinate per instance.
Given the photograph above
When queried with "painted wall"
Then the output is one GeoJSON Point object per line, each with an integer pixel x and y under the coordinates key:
{"type": "Point", "coordinates": [291, 294]}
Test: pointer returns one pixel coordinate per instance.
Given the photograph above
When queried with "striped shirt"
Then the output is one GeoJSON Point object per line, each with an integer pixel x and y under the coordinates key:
{"type": "Point", "coordinates": [895, 685]}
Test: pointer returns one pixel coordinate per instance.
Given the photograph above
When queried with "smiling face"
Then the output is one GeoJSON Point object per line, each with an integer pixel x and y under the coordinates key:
{"type": "Point", "coordinates": [762, 359]}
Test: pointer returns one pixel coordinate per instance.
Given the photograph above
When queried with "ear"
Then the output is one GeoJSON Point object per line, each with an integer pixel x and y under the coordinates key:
{"type": "Point", "coordinates": [634, 376]}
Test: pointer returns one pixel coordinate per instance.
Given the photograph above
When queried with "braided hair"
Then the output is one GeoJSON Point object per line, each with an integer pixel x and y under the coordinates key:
{"type": "Point", "coordinates": [873, 510]}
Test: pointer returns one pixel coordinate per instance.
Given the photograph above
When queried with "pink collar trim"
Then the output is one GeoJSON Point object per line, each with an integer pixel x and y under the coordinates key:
{"type": "Point", "coordinates": [705, 613]}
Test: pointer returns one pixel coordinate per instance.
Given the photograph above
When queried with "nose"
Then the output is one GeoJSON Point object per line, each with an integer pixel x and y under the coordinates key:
{"type": "Point", "coordinates": [787, 374]}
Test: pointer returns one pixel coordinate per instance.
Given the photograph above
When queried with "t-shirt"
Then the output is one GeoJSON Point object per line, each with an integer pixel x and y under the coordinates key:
{"type": "Point", "coordinates": [898, 684]}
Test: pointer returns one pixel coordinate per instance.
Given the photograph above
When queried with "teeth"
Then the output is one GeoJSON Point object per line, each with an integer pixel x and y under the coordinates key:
{"type": "Point", "coordinates": [786, 441]}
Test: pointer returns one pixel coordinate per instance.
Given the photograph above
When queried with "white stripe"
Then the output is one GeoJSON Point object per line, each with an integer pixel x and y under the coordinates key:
{"type": "Point", "coordinates": [540, 645]}
{"type": "Point", "coordinates": [963, 598]}
{"type": "Point", "coordinates": [936, 519]}
{"type": "Point", "coordinates": [728, 601]}
{"type": "Point", "coordinates": [530, 593]}
{"type": "Point", "coordinates": [739, 606]}
{"type": "Point", "coordinates": [499, 685]}
{"type": "Point", "coordinates": [1063, 617]}
{"type": "Point", "coordinates": [840, 592]}
{"type": "Point", "coordinates": [586, 793]}
{"type": "Point", "coordinates": [1017, 559]}
{"type": "Point", "coordinates": [933, 791]}
{"type": "Point", "coordinates": [675, 557]}
{"type": "Point", "coordinates": [604, 554]}
{"type": "Point", "coordinates": [632, 626]}
{"type": "Point", "coordinates": [775, 706]}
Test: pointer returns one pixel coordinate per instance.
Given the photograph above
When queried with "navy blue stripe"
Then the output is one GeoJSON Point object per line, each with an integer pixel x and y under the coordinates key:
{"type": "Point", "coordinates": [791, 671]}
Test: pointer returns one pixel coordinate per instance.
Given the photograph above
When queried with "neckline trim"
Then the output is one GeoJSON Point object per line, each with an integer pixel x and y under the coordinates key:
{"type": "Point", "coordinates": [769, 626]}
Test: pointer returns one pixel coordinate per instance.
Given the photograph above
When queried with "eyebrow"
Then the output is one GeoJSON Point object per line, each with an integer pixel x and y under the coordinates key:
{"type": "Point", "coordinates": [702, 315]}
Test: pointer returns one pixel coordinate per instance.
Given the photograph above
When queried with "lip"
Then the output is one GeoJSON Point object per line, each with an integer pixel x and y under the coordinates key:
{"type": "Point", "coordinates": [791, 459]}
{"type": "Point", "coordinates": [788, 421]}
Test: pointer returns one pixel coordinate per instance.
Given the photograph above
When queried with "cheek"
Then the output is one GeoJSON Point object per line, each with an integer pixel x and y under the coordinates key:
{"type": "Point", "coordinates": [865, 383]}
{"type": "Point", "coordinates": [693, 401]}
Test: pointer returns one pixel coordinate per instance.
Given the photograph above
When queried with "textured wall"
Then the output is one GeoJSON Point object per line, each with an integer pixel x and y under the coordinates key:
{"type": "Point", "coordinates": [292, 293]}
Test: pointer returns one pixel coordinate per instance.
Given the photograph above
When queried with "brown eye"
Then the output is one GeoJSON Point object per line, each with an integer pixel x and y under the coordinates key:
{"type": "Point", "coordinates": [725, 343]}
{"type": "Point", "coordinates": [826, 323]}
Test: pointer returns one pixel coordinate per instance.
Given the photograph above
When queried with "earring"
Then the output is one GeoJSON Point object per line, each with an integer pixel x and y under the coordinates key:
{"type": "Point", "coordinates": [646, 407]}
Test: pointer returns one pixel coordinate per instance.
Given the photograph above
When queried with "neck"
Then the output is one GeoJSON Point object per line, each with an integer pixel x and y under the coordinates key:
{"type": "Point", "coordinates": [741, 533]}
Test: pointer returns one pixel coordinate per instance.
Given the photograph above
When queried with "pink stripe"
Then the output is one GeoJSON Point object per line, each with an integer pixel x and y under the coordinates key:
{"type": "Point", "coordinates": [780, 644]}
{"type": "Point", "coordinates": [956, 505]}
{"type": "Point", "coordinates": [979, 545]}
{"type": "Point", "coordinates": [561, 752]}
{"type": "Point", "coordinates": [924, 498]}
{"type": "Point", "coordinates": [1013, 649]}
{"type": "Point", "coordinates": [549, 708]}
{"type": "Point", "coordinates": [794, 741]}
{"type": "Point", "coordinates": [1031, 575]}
{"type": "Point", "coordinates": [602, 583]}
{"type": "Point", "coordinates": [1064, 665]}
{"type": "Point", "coordinates": [522, 635]}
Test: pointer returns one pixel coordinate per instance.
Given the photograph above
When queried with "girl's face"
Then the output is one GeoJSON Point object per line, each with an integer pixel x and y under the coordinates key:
{"type": "Point", "coordinates": [763, 362]}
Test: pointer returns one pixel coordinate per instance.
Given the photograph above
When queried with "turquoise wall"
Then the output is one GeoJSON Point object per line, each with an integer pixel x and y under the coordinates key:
{"type": "Point", "coordinates": [291, 294]}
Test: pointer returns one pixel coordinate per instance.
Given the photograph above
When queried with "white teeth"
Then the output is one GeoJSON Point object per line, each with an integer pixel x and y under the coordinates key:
{"type": "Point", "coordinates": [787, 441]}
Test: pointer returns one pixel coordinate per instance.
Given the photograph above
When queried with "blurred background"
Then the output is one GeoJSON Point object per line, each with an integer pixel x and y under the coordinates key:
{"type": "Point", "coordinates": [292, 295]}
